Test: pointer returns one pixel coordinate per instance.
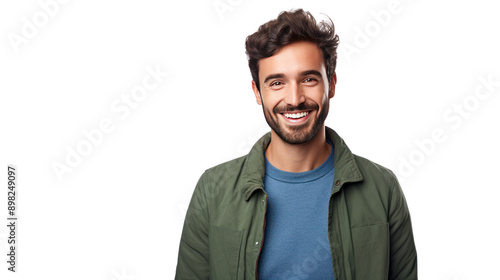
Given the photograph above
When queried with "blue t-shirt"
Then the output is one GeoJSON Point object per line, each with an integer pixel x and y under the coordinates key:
{"type": "Point", "coordinates": [296, 236]}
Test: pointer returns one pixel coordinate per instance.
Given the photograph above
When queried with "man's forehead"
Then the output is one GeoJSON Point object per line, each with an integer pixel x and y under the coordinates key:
{"type": "Point", "coordinates": [294, 58]}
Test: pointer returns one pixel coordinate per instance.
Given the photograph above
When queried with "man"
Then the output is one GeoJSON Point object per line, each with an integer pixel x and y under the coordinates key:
{"type": "Point", "coordinates": [300, 205]}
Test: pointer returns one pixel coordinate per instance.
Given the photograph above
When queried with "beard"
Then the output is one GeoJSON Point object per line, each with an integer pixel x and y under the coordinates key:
{"type": "Point", "coordinates": [298, 134]}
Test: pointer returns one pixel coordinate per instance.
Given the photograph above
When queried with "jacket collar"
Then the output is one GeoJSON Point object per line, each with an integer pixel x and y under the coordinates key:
{"type": "Point", "coordinates": [346, 169]}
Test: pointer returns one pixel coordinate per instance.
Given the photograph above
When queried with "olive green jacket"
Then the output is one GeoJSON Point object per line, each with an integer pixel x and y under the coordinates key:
{"type": "Point", "coordinates": [369, 223]}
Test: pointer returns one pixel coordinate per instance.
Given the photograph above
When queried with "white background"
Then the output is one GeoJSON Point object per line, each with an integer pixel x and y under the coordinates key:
{"type": "Point", "coordinates": [118, 213]}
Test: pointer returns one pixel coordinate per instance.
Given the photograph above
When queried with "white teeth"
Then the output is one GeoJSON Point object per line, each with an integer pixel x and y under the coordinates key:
{"type": "Point", "coordinates": [296, 116]}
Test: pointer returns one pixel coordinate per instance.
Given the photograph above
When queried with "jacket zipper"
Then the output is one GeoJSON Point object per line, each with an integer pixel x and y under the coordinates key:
{"type": "Point", "coordinates": [262, 241]}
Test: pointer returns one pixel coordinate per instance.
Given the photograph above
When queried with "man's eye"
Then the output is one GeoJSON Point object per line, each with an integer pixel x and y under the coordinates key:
{"type": "Point", "coordinates": [276, 83]}
{"type": "Point", "coordinates": [309, 80]}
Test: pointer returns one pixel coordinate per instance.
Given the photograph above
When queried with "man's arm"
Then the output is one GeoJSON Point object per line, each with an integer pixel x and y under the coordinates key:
{"type": "Point", "coordinates": [403, 264]}
{"type": "Point", "coordinates": [193, 257]}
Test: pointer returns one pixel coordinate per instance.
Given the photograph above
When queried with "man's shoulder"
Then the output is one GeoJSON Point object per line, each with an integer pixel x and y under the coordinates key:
{"type": "Point", "coordinates": [251, 164]}
{"type": "Point", "coordinates": [229, 165]}
{"type": "Point", "coordinates": [224, 180]}
{"type": "Point", "coordinates": [226, 169]}
{"type": "Point", "coordinates": [372, 171]}
{"type": "Point", "coordinates": [379, 187]}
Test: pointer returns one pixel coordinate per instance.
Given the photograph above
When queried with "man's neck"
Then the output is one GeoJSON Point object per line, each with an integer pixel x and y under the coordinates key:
{"type": "Point", "coordinates": [298, 157]}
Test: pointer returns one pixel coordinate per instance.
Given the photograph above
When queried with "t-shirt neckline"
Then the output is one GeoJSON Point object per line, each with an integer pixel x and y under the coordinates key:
{"type": "Point", "coordinates": [301, 177]}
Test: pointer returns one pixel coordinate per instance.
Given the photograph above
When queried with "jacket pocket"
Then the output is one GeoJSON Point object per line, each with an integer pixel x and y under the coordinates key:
{"type": "Point", "coordinates": [224, 248]}
{"type": "Point", "coordinates": [371, 251]}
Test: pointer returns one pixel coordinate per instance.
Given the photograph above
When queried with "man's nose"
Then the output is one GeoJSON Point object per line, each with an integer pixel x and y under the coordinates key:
{"type": "Point", "coordinates": [294, 95]}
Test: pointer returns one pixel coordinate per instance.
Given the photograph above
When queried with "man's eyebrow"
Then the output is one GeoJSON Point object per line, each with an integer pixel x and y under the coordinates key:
{"type": "Point", "coordinates": [311, 72]}
{"type": "Point", "coordinates": [273, 76]}
{"type": "Point", "coordinates": [304, 73]}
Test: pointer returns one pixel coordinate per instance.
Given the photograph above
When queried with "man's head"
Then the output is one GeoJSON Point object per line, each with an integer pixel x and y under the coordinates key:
{"type": "Point", "coordinates": [292, 60]}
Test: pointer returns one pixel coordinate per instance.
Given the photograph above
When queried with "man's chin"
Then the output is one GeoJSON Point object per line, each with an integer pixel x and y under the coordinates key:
{"type": "Point", "coordinates": [295, 135]}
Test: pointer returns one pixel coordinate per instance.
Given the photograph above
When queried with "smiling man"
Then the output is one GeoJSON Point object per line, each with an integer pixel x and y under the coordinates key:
{"type": "Point", "coordinates": [300, 205]}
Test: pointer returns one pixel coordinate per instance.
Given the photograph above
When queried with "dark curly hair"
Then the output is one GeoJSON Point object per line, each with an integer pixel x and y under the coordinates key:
{"type": "Point", "coordinates": [289, 27]}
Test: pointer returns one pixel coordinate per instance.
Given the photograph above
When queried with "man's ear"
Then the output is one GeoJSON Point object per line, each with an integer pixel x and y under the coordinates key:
{"type": "Point", "coordinates": [257, 93]}
{"type": "Point", "coordinates": [333, 82]}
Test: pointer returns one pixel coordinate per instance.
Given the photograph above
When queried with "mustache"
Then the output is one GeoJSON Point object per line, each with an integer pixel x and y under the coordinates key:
{"type": "Point", "coordinates": [300, 107]}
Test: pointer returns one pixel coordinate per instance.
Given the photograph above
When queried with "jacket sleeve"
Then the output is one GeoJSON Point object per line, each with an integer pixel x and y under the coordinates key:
{"type": "Point", "coordinates": [192, 262]}
{"type": "Point", "coordinates": [403, 254]}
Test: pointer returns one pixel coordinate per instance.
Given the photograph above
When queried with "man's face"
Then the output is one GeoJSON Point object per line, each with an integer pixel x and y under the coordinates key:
{"type": "Point", "coordinates": [294, 91]}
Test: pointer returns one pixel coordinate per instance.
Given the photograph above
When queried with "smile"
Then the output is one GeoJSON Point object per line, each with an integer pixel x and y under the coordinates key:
{"type": "Point", "coordinates": [296, 117]}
